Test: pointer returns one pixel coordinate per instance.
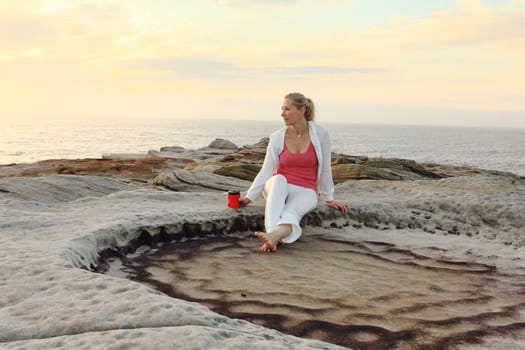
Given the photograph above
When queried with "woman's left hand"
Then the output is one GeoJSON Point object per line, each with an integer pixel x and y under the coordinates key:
{"type": "Point", "coordinates": [337, 205]}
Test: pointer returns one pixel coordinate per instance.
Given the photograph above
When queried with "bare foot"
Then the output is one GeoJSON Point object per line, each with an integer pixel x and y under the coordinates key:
{"type": "Point", "coordinates": [269, 245]}
{"type": "Point", "coordinates": [265, 249]}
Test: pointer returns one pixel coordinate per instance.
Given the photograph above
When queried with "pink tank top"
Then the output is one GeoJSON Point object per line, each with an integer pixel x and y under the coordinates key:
{"type": "Point", "coordinates": [300, 169]}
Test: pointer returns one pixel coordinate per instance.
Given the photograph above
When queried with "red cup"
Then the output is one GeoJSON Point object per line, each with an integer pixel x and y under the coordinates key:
{"type": "Point", "coordinates": [233, 199]}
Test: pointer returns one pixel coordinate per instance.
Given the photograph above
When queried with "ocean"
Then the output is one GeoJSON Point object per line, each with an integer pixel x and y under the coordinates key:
{"type": "Point", "coordinates": [487, 148]}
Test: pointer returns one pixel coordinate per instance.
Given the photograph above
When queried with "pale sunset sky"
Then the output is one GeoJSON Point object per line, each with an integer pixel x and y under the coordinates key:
{"type": "Point", "coordinates": [429, 62]}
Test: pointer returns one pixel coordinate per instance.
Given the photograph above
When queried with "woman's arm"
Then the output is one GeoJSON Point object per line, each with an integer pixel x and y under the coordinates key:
{"type": "Point", "coordinates": [337, 205]}
{"type": "Point", "coordinates": [244, 202]}
{"type": "Point", "coordinates": [326, 183]}
{"type": "Point", "coordinates": [271, 161]}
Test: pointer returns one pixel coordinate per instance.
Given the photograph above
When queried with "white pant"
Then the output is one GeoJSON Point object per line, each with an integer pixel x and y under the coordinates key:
{"type": "Point", "coordinates": [286, 204]}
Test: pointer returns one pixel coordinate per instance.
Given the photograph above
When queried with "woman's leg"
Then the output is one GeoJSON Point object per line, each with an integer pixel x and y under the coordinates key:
{"type": "Point", "coordinates": [275, 193]}
{"type": "Point", "coordinates": [285, 206]}
{"type": "Point", "coordinates": [300, 201]}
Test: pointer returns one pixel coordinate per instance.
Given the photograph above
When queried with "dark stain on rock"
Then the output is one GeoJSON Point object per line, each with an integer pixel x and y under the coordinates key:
{"type": "Point", "coordinates": [362, 295]}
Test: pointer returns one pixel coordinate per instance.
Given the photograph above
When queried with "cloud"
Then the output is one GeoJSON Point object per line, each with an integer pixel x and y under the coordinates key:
{"type": "Point", "coordinates": [79, 29]}
{"type": "Point", "coordinates": [276, 3]}
{"type": "Point", "coordinates": [321, 70]}
{"type": "Point", "coordinates": [23, 32]}
{"type": "Point", "coordinates": [187, 68]}
{"type": "Point", "coordinates": [208, 68]}
{"type": "Point", "coordinates": [469, 23]}
{"type": "Point", "coordinates": [251, 3]}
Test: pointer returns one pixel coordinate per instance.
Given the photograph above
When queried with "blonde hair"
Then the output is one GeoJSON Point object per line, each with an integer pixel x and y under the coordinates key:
{"type": "Point", "coordinates": [299, 100]}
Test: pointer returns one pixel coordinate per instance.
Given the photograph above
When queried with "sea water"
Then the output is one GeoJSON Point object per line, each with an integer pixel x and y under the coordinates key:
{"type": "Point", "coordinates": [487, 148]}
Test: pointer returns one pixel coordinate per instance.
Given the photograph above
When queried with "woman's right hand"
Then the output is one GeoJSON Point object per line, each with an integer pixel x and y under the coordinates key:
{"type": "Point", "coordinates": [244, 202]}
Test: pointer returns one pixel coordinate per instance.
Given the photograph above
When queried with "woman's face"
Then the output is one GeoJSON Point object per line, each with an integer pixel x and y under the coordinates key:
{"type": "Point", "coordinates": [291, 114]}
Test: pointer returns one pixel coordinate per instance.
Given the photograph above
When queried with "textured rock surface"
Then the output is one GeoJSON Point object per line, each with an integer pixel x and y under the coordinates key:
{"type": "Point", "coordinates": [50, 240]}
{"type": "Point", "coordinates": [143, 169]}
{"type": "Point", "coordinates": [224, 158]}
{"type": "Point", "coordinates": [59, 188]}
{"type": "Point", "coordinates": [361, 294]}
{"type": "Point", "coordinates": [222, 143]}
{"type": "Point", "coordinates": [434, 263]}
{"type": "Point", "coordinates": [240, 171]}
{"type": "Point", "coordinates": [48, 300]}
{"type": "Point", "coordinates": [192, 180]}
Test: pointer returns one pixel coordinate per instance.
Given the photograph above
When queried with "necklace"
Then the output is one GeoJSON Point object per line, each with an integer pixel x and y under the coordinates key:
{"type": "Point", "coordinates": [301, 134]}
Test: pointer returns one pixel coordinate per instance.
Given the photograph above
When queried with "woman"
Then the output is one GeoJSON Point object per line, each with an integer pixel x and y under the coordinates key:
{"type": "Point", "coordinates": [296, 168]}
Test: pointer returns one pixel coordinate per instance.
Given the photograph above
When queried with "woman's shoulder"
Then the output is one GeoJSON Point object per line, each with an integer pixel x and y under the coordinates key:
{"type": "Point", "coordinates": [321, 129]}
{"type": "Point", "coordinates": [276, 140]}
{"type": "Point", "coordinates": [278, 133]}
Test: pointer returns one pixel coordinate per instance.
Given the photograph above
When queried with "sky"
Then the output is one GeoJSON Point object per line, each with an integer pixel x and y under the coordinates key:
{"type": "Point", "coordinates": [427, 62]}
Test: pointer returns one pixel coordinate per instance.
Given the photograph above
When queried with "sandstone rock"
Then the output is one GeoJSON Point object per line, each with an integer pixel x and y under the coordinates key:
{"type": "Point", "coordinates": [228, 158]}
{"type": "Point", "coordinates": [168, 180]}
{"type": "Point", "coordinates": [404, 165]}
{"type": "Point", "coordinates": [185, 180]}
{"type": "Point", "coordinates": [204, 166]}
{"type": "Point", "coordinates": [54, 225]}
{"type": "Point", "coordinates": [263, 143]}
{"type": "Point", "coordinates": [224, 158]}
{"type": "Point", "coordinates": [59, 188]}
{"type": "Point", "coordinates": [222, 144]}
{"type": "Point", "coordinates": [47, 249]}
{"type": "Point", "coordinates": [344, 172]}
{"type": "Point", "coordinates": [124, 156]}
{"type": "Point", "coordinates": [339, 158]}
{"type": "Point", "coordinates": [143, 169]}
{"type": "Point", "coordinates": [250, 154]}
{"type": "Point", "coordinates": [453, 170]}
{"type": "Point", "coordinates": [175, 149]}
{"type": "Point", "coordinates": [164, 154]}
{"type": "Point", "coordinates": [348, 167]}
{"type": "Point", "coordinates": [242, 171]}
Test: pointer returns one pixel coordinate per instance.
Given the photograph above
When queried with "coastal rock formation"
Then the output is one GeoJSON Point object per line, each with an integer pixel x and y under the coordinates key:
{"type": "Point", "coordinates": [82, 306]}
{"type": "Point", "coordinates": [436, 262]}
{"type": "Point", "coordinates": [361, 293]}
{"type": "Point", "coordinates": [352, 168]}
{"type": "Point", "coordinates": [134, 169]}
{"type": "Point", "coordinates": [59, 188]}
{"type": "Point", "coordinates": [50, 301]}
{"type": "Point", "coordinates": [193, 180]}
{"type": "Point", "coordinates": [222, 144]}
{"type": "Point", "coordinates": [240, 171]}
{"type": "Point", "coordinates": [224, 158]}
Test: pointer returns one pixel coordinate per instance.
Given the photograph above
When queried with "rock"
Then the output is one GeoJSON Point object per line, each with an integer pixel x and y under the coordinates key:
{"type": "Point", "coordinates": [222, 144]}
{"type": "Point", "coordinates": [185, 180]}
{"type": "Point", "coordinates": [168, 180]}
{"type": "Point", "coordinates": [174, 149]}
{"type": "Point", "coordinates": [124, 156]}
{"type": "Point", "coordinates": [54, 230]}
{"type": "Point", "coordinates": [155, 153]}
{"type": "Point", "coordinates": [144, 169]}
{"type": "Point", "coordinates": [59, 188]}
{"type": "Point", "coordinates": [49, 249]}
{"type": "Point", "coordinates": [242, 171]}
{"type": "Point", "coordinates": [344, 172]}
{"type": "Point", "coordinates": [347, 159]}
{"type": "Point", "coordinates": [228, 158]}
{"type": "Point", "coordinates": [178, 158]}
{"type": "Point", "coordinates": [250, 154]}
{"type": "Point", "coordinates": [453, 170]}
{"type": "Point", "coordinates": [204, 166]}
{"type": "Point", "coordinates": [263, 143]}
{"type": "Point", "coordinates": [403, 165]}
{"type": "Point", "coordinates": [348, 168]}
